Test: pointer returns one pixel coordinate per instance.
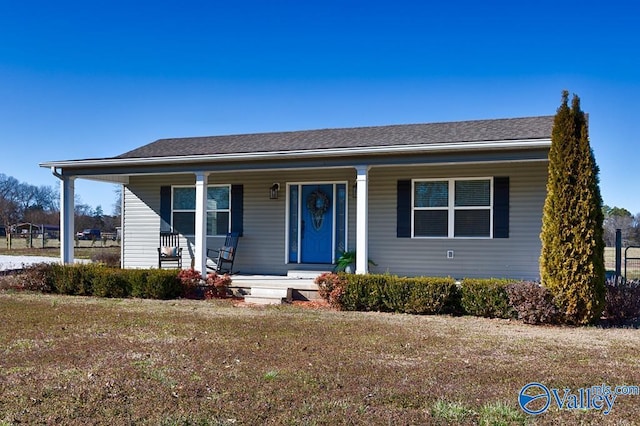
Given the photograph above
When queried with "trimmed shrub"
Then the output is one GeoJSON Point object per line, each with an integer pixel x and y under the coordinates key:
{"type": "Point", "coordinates": [622, 301]}
{"type": "Point", "coordinates": [160, 284]}
{"type": "Point", "coordinates": [74, 279]}
{"type": "Point", "coordinates": [138, 281]}
{"type": "Point", "coordinates": [190, 281]}
{"type": "Point", "coordinates": [217, 286]}
{"type": "Point", "coordinates": [65, 278]}
{"type": "Point", "coordinates": [363, 293]}
{"type": "Point", "coordinates": [154, 283]}
{"type": "Point", "coordinates": [109, 282]}
{"type": "Point", "coordinates": [37, 277]}
{"type": "Point", "coordinates": [486, 298]}
{"type": "Point", "coordinates": [433, 296]}
{"type": "Point", "coordinates": [392, 293]}
{"type": "Point", "coordinates": [331, 288]}
{"type": "Point", "coordinates": [533, 303]}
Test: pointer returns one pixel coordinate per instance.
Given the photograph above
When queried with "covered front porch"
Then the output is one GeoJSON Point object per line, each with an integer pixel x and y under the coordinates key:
{"type": "Point", "coordinates": [269, 222]}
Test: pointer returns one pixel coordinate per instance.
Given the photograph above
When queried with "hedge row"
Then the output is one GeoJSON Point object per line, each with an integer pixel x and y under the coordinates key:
{"type": "Point", "coordinates": [102, 281]}
{"type": "Point", "coordinates": [394, 294]}
{"type": "Point", "coordinates": [421, 295]}
{"type": "Point", "coordinates": [388, 293]}
{"type": "Point", "coordinates": [492, 298]}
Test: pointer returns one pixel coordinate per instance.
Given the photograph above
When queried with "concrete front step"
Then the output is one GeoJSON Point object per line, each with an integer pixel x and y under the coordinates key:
{"type": "Point", "coordinates": [282, 292]}
{"type": "Point", "coordinates": [263, 300]}
{"type": "Point", "coordinates": [273, 282]}
{"type": "Point", "coordinates": [269, 295]}
{"type": "Point", "coordinates": [302, 288]}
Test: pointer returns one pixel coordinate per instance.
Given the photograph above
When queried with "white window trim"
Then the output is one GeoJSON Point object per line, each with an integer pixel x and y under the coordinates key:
{"type": "Point", "coordinates": [207, 211]}
{"type": "Point", "coordinates": [451, 208]}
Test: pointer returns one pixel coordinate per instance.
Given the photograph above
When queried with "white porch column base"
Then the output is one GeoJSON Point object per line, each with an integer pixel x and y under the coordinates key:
{"type": "Point", "coordinates": [67, 215]}
{"type": "Point", "coordinates": [362, 214]}
{"type": "Point", "coordinates": [200, 249]}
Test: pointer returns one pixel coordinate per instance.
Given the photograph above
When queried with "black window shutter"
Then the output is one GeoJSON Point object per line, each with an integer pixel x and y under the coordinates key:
{"type": "Point", "coordinates": [403, 213]}
{"type": "Point", "coordinates": [237, 209]}
{"type": "Point", "coordinates": [165, 208]}
{"type": "Point", "coordinates": [501, 207]}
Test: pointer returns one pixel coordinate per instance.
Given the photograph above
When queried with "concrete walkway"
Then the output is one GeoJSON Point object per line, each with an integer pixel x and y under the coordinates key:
{"type": "Point", "coordinates": [8, 262]}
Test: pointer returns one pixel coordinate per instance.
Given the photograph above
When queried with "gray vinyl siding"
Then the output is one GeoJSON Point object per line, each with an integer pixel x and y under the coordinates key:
{"type": "Point", "coordinates": [141, 223]}
{"type": "Point", "coordinates": [261, 249]}
{"type": "Point", "coordinates": [513, 257]}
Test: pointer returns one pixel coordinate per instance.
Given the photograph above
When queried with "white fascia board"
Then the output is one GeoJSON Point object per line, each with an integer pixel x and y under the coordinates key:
{"type": "Point", "coordinates": [310, 153]}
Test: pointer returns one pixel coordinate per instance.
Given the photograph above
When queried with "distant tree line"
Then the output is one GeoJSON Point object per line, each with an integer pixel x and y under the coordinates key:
{"type": "Point", "coordinates": [21, 202]}
{"type": "Point", "coordinates": [623, 219]}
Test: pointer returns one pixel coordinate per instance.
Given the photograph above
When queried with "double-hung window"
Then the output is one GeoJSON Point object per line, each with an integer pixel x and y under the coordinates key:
{"type": "Point", "coordinates": [183, 209]}
{"type": "Point", "coordinates": [452, 208]}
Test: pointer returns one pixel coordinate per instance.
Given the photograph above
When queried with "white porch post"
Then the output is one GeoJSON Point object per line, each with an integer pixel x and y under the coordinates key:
{"type": "Point", "coordinates": [200, 249]}
{"type": "Point", "coordinates": [67, 214]}
{"type": "Point", "coordinates": [362, 214]}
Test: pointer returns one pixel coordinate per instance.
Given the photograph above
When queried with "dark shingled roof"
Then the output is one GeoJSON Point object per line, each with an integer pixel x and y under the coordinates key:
{"type": "Point", "coordinates": [359, 137]}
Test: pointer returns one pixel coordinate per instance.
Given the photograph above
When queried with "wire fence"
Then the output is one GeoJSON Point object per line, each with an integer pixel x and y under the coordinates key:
{"type": "Point", "coordinates": [631, 262]}
{"type": "Point", "coordinates": [35, 240]}
{"type": "Point", "coordinates": [630, 257]}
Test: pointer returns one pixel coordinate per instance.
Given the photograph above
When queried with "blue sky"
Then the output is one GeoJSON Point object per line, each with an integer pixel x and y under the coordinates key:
{"type": "Point", "coordinates": [96, 79]}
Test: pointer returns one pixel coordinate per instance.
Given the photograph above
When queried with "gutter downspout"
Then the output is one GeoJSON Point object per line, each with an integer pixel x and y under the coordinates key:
{"type": "Point", "coordinates": [67, 216]}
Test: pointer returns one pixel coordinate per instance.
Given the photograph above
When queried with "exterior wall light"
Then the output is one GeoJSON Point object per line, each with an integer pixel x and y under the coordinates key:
{"type": "Point", "coordinates": [273, 191]}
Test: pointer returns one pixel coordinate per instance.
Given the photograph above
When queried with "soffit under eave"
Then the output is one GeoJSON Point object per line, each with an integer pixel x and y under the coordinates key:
{"type": "Point", "coordinates": [120, 174]}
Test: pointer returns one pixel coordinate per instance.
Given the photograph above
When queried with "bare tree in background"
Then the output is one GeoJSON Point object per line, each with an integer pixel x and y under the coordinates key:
{"type": "Point", "coordinates": [117, 206]}
{"type": "Point", "coordinates": [23, 202]}
{"type": "Point", "coordinates": [618, 218]}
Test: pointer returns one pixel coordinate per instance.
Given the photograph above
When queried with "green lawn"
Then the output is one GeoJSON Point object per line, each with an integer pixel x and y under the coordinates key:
{"type": "Point", "coordinates": [76, 360]}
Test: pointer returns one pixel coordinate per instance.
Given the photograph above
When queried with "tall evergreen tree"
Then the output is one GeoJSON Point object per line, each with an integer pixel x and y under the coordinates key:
{"type": "Point", "coordinates": [572, 258]}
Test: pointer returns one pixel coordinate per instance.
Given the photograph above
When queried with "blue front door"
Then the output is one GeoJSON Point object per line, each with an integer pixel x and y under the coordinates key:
{"type": "Point", "coordinates": [316, 225]}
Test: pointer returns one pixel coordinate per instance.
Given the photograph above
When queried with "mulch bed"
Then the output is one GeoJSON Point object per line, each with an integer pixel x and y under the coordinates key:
{"type": "Point", "coordinates": [312, 304]}
{"type": "Point", "coordinates": [306, 304]}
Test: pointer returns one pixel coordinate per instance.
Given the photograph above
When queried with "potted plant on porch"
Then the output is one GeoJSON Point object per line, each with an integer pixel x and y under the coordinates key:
{"type": "Point", "coordinates": [347, 262]}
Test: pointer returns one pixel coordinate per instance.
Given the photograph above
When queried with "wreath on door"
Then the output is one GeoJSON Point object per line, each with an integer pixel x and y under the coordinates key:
{"type": "Point", "coordinates": [318, 203]}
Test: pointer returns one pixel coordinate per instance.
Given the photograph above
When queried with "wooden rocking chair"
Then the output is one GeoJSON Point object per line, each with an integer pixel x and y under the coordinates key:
{"type": "Point", "coordinates": [170, 251]}
{"type": "Point", "coordinates": [221, 260]}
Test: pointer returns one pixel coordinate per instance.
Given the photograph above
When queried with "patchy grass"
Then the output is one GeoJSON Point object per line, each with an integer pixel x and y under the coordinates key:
{"type": "Point", "coordinates": [76, 360]}
{"type": "Point", "coordinates": [451, 412]}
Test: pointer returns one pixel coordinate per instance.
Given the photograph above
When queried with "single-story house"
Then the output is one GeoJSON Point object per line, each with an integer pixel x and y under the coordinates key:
{"type": "Point", "coordinates": [460, 199]}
